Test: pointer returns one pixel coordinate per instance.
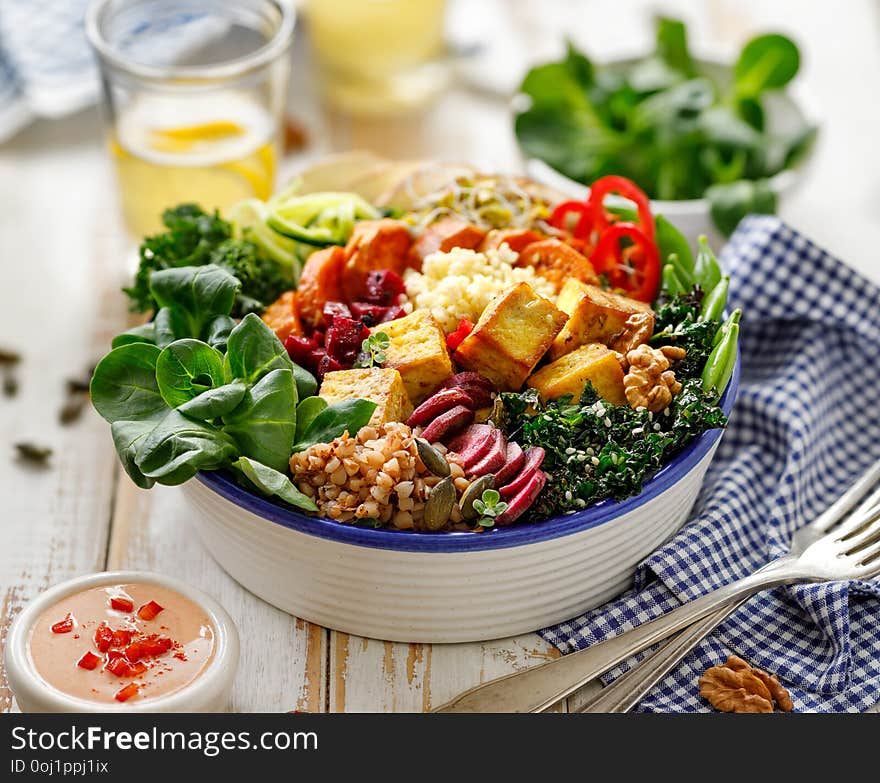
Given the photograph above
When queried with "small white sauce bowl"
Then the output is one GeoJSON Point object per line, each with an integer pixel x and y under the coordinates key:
{"type": "Point", "coordinates": [210, 691]}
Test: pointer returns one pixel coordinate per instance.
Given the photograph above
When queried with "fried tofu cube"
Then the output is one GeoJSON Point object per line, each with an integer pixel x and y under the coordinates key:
{"type": "Point", "coordinates": [513, 333]}
{"type": "Point", "coordinates": [384, 386]}
{"type": "Point", "coordinates": [417, 350]}
{"type": "Point", "coordinates": [569, 375]}
{"type": "Point", "coordinates": [595, 316]}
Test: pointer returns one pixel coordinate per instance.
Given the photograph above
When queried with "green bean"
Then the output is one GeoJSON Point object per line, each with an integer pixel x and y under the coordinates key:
{"type": "Point", "coordinates": [671, 240]}
{"type": "Point", "coordinates": [671, 285]}
{"type": "Point", "coordinates": [722, 330]}
{"type": "Point", "coordinates": [720, 364]}
{"type": "Point", "coordinates": [715, 300]}
{"type": "Point", "coordinates": [707, 270]}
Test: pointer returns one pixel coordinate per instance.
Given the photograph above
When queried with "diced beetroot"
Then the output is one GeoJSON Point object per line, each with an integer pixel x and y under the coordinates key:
{"type": "Point", "coordinates": [534, 457]}
{"type": "Point", "coordinates": [523, 500]}
{"type": "Point", "coordinates": [515, 459]}
{"type": "Point", "coordinates": [479, 388]}
{"type": "Point", "coordinates": [344, 339]}
{"type": "Point", "coordinates": [493, 460]}
{"type": "Point", "coordinates": [372, 314]}
{"type": "Point", "coordinates": [438, 403]}
{"type": "Point", "coordinates": [393, 312]}
{"type": "Point", "coordinates": [299, 349]}
{"type": "Point", "coordinates": [327, 364]}
{"type": "Point", "coordinates": [384, 286]}
{"type": "Point", "coordinates": [448, 423]}
{"type": "Point", "coordinates": [333, 310]}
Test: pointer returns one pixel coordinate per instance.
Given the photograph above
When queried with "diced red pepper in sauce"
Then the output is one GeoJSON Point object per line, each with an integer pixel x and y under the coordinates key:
{"type": "Point", "coordinates": [121, 638]}
{"type": "Point", "coordinates": [121, 603]}
{"type": "Point", "coordinates": [63, 626]}
{"type": "Point", "coordinates": [124, 694]}
{"type": "Point", "coordinates": [103, 637]}
{"type": "Point", "coordinates": [156, 646]}
{"type": "Point", "coordinates": [88, 661]}
{"type": "Point", "coordinates": [149, 610]}
{"type": "Point", "coordinates": [134, 651]}
{"type": "Point", "coordinates": [118, 666]}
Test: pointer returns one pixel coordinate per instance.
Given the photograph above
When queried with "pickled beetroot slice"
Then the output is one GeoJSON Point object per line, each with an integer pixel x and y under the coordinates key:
{"type": "Point", "coordinates": [514, 461]}
{"type": "Point", "coordinates": [523, 500]}
{"type": "Point", "coordinates": [63, 626]}
{"type": "Point", "coordinates": [88, 661]}
{"type": "Point", "coordinates": [149, 610]}
{"type": "Point", "coordinates": [534, 458]}
{"type": "Point", "coordinates": [494, 458]}
{"type": "Point", "coordinates": [124, 694]}
{"type": "Point", "coordinates": [121, 603]}
{"type": "Point", "coordinates": [447, 423]}
{"type": "Point", "coordinates": [477, 387]}
{"type": "Point", "coordinates": [439, 403]}
{"type": "Point", "coordinates": [468, 437]}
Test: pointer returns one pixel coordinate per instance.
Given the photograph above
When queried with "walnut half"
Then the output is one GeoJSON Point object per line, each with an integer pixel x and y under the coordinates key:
{"type": "Point", "coordinates": [738, 687]}
{"type": "Point", "coordinates": [649, 383]}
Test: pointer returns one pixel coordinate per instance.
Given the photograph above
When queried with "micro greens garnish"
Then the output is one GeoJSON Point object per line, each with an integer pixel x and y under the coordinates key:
{"type": "Point", "coordinates": [373, 350]}
{"type": "Point", "coordinates": [489, 506]}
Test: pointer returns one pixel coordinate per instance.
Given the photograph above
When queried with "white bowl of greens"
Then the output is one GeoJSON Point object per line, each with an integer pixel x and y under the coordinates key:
{"type": "Point", "coordinates": [710, 138]}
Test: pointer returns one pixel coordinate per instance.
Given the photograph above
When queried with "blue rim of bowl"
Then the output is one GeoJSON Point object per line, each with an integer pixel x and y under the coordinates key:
{"type": "Point", "coordinates": [516, 535]}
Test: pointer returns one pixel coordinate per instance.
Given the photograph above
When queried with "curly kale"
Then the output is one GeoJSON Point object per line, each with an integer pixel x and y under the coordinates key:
{"type": "Point", "coordinates": [596, 450]}
{"type": "Point", "coordinates": [677, 323]}
{"type": "Point", "coordinates": [195, 238]}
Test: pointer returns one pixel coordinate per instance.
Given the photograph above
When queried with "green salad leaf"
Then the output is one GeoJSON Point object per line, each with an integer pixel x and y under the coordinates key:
{"type": "Point", "coordinates": [347, 416]}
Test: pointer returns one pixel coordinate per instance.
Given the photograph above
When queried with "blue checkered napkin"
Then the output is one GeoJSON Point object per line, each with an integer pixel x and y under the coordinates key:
{"type": "Point", "coordinates": [804, 427]}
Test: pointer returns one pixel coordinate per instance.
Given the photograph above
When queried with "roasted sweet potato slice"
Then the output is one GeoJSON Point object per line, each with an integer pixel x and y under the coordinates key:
{"type": "Point", "coordinates": [443, 235]}
{"type": "Point", "coordinates": [556, 261]}
{"type": "Point", "coordinates": [517, 239]}
{"type": "Point", "coordinates": [282, 316]}
{"type": "Point", "coordinates": [320, 282]}
{"type": "Point", "coordinates": [374, 244]}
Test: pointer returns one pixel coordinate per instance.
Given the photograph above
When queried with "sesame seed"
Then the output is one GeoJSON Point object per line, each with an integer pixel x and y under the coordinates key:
{"type": "Point", "coordinates": [568, 495]}
{"type": "Point", "coordinates": [581, 503]}
{"type": "Point", "coordinates": [607, 421]}
{"type": "Point", "coordinates": [638, 430]}
{"type": "Point", "coordinates": [666, 411]}
{"type": "Point", "coordinates": [657, 427]}
{"type": "Point", "coordinates": [595, 460]}
{"type": "Point", "coordinates": [650, 415]}
{"type": "Point", "coordinates": [590, 451]}
{"type": "Point", "coordinates": [570, 450]}
{"type": "Point", "coordinates": [581, 457]}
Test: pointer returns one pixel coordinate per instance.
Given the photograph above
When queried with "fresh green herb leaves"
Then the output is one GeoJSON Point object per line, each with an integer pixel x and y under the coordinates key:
{"type": "Point", "coordinates": [273, 483]}
{"type": "Point", "coordinates": [372, 353]}
{"type": "Point", "coordinates": [347, 416]}
{"type": "Point", "coordinates": [186, 368]}
{"type": "Point", "coordinates": [489, 506]}
{"type": "Point", "coordinates": [669, 123]}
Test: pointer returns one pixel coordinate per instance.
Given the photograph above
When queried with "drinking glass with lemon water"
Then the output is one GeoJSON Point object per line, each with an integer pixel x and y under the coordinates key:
{"type": "Point", "coordinates": [194, 92]}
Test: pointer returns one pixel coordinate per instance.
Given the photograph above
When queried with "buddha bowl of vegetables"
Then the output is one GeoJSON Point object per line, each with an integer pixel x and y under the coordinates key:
{"type": "Point", "coordinates": [459, 409]}
{"type": "Point", "coordinates": [709, 138]}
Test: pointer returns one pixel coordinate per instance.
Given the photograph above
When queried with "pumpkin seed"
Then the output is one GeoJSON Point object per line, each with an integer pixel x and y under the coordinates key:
{"type": "Point", "coordinates": [33, 452]}
{"type": "Point", "coordinates": [432, 459]}
{"type": "Point", "coordinates": [474, 492]}
{"type": "Point", "coordinates": [438, 509]}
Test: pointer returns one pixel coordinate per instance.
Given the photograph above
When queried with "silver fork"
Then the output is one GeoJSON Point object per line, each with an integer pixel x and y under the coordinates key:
{"type": "Point", "coordinates": [629, 689]}
{"type": "Point", "coordinates": [849, 551]}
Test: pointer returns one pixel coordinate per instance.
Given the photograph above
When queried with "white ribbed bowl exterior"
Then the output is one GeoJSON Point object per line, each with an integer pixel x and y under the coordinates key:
{"type": "Point", "coordinates": [439, 596]}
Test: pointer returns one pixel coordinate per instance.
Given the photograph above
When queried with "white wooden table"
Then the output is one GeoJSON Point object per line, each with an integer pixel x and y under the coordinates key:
{"type": "Point", "coordinates": [64, 255]}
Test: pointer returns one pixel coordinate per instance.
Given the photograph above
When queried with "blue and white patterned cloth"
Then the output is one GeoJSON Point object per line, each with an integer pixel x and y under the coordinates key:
{"type": "Point", "coordinates": [804, 427]}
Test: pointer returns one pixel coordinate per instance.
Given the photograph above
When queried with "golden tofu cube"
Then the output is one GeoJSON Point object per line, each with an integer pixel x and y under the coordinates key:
{"type": "Point", "coordinates": [513, 333]}
{"type": "Point", "coordinates": [418, 352]}
{"type": "Point", "coordinates": [569, 375]}
{"type": "Point", "coordinates": [595, 316]}
{"type": "Point", "coordinates": [381, 385]}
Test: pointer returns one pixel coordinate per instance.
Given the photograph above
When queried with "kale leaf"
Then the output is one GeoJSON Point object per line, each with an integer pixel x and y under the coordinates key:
{"type": "Point", "coordinates": [677, 323]}
{"type": "Point", "coordinates": [596, 450]}
{"type": "Point", "coordinates": [193, 238]}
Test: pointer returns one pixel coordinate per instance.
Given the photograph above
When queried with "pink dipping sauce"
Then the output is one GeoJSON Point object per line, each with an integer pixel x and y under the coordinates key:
{"type": "Point", "coordinates": [163, 671]}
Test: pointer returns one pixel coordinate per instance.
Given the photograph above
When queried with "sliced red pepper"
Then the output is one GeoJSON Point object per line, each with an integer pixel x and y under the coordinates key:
{"type": "Point", "coordinates": [124, 694]}
{"type": "Point", "coordinates": [600, 219]}
{"type": "Point", "coordinates": [121, 638]}
{"type": "Point", "coordinates": [103, 637]}
{"type": "Point", "coordinates": [121, 603]}
{"type": "Point", "coordinates": [88, 661]}
{"type": "Point", "coordinates": [149, 610]}
{"type": "Point", "coordinates": [634, 271]}
{"type": "Point", "coordinates": [465, 327]}
{"type": "Point", "coordinates": [580, 227]}
{"type": "Point", "coordinates": [63, 626]}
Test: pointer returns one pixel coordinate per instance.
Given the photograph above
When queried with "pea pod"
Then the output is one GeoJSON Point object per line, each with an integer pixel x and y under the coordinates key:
{"type": "Point", "coordinates": [670, 240]}
{"type": "Point", "coordinates": [715, 300]}
{"type": "Point", "coordinates": [722, 330]}
{"type": "Point", "coordinates": [720, 364]}
{"type": "Point", "coordinates": [671, 284]}
{"type": "Point", "coordinates": [707, 270]}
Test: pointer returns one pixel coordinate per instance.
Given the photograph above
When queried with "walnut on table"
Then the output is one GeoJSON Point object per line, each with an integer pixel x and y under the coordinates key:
{"type": "Point", "coordinates": [649, 383]}
{"type": "Point", "coordinates": [738, 687]}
